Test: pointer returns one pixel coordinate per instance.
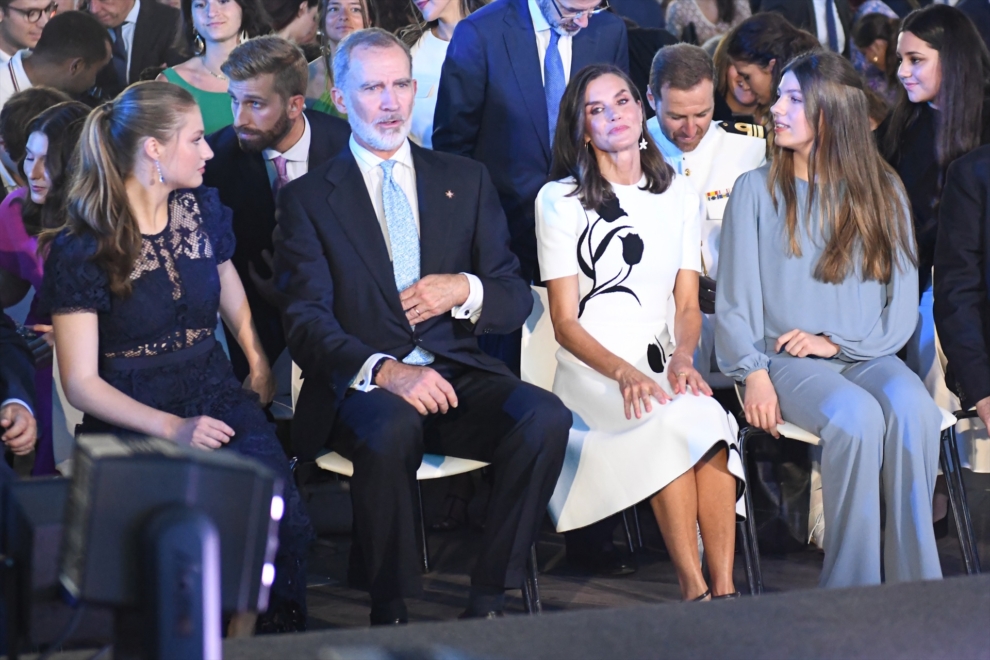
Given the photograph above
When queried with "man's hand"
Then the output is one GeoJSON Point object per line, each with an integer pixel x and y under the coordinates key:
{"type": "Point", "coordinates": [434, 295]}
{"type": "Point", "coordinates": [802, 344]}
{"type": "Point", "coordinates": [983, 410]}
{"type": "Point", "coordinates": [20, 429]}
{"type": "Point", "coordinates": [421, 387]}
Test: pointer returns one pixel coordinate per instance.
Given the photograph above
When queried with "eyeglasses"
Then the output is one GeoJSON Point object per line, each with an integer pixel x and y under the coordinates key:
{"type": "Point", "coordinates": [578, 15]}
{"type": "Point", "coordinates": [34, 15]}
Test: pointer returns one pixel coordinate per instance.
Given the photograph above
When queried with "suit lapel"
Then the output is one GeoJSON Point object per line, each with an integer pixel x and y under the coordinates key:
{"type": "Point", "coordinates": [350, 204]}
{"type": "Point", "coordinates": [520, 45]}
{"type": "Point", "coordinates": [433, 220]}
{"type": "Point", "coordinates": [584, 49]}
{"type": "Point", "coordinates": [317, 143]}
{"type": "Point", "coordinates": [255, 184]}
{"type": "Point", "coordinates": [145, 32]}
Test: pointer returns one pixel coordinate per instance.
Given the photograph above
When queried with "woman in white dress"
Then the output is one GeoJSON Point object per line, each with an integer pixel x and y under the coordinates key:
{"type": "Point", "coordinates": [428, 41]}
{"type": "Point", "coordinates": [618, 236]}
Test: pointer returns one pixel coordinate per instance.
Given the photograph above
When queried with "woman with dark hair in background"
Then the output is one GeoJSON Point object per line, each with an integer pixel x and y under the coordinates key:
{"type": "Point", "coordinates": [734, 100]}
{"type": "Point", "coordinates": [294, 20]}
{"type": "Point", "coordinates": [337, 19]}
{"type": "Point", "coordinates": [875, 39]}
{"type": "Point", "coordinates": [210, 29]}
{"type": "Point", "coordinates": [943, 113]}
{"type": "Point", "coordinates": [134, 283]}
{"type": "Point", "coordinates": [428, 41]}
{"type": "Point", "coordinates": [817, 293]}
{"type": "Point", "coordinates": [710, 18]}
{"type": "Point", "coordinates": [24, 215]}
{"type": "Point", "coordinates": [618, 235]}
{"type": "Point", "coordinates": [760, 47]}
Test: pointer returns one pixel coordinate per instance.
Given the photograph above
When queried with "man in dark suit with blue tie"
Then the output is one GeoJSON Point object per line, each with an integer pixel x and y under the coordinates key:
{"type": "Point", "coordinates": [392, 260]}
{"type": "Point", "coordinates": [18, 428]}
{"type": "Point", "coordinates": [500, 87]}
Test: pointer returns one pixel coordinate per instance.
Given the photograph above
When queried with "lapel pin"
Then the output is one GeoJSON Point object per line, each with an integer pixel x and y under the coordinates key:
{"type": "Point", "coordinates": [449, 194]}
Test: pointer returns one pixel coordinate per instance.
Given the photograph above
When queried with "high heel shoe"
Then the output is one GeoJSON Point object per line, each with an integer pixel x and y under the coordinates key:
{"type": "Point", "coordinates": [705, 596]}
{"type": "Point", "coordinates": [734, 594]}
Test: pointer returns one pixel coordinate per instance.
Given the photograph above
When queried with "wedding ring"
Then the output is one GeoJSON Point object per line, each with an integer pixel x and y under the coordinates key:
{"type": "Point", "coordinates": [416, 309]}
{"type": "Point", "coordinates": [681, 373]}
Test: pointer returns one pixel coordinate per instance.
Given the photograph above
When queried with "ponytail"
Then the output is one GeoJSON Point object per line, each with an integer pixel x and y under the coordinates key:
{"type": "Point", "coordinates": [108, 148]}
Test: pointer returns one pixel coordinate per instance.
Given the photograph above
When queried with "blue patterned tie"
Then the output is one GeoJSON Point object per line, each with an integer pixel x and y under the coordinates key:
{"type": "Point", "coordinates": [405, 245]}
{"type": "Point", "coordinates": [553, 81]}
{"type": "Point", "coordinates": [830, 30]}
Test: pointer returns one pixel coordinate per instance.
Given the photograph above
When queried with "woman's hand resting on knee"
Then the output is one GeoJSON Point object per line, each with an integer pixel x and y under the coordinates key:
{"type": "Point", "coordinates": [637, 388]}
{"type": "Point", "coordinates": [682, 375]}
{"type": "Point", "coordinates": [761, 405]}
{"type": "Point", "coordinates": [803, 344]}
{"type": "Point", "coordinates": [200, 432]}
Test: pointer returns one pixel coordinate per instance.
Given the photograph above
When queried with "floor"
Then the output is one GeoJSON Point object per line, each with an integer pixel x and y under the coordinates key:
{"type": "Point", "coordinates": [333, 605]}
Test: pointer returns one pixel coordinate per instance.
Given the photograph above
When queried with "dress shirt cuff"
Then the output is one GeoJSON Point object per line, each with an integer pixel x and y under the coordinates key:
{"type": "Point", "coordinates": [362, 380]}
{"type": "Point", "coordinates": [23, 403]}
{"type": "Point", "coordinates": [471, 309]}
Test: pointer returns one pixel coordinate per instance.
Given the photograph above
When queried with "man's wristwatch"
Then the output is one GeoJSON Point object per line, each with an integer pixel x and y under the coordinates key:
{"type": "Point", "coordinates": [375, 369]}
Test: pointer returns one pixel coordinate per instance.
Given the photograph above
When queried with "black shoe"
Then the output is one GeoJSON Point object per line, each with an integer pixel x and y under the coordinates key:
{"type": "Point", "coordinates": [468, 614]}
{"type": "Point", "coordinates": [281, 618]}
{"type": "Point", "coordinates": [456, 517]}
{"type": "Point", "coordinates": [606, 564]}
{"type": "Point", "coordinates": [733, 595]}
{"type": "Point", "coordinates": [392, 613]}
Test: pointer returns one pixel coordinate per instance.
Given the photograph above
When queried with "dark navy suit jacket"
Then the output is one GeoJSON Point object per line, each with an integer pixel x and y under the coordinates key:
{"type": "Point", "coordinates": [491, 106]}
{"type": "Point", "coordinates": [16, 365]}
{"type": "Point", "coordinates": [962, 276]}
{"type": "Point", "coordinates": [979, 12]}
{"type": "Point", "coordinates": [340, 304]}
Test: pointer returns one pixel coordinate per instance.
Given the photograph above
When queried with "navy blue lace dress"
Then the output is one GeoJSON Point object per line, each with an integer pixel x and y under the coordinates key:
{"type": "Point", "coordinates": [158, 347]}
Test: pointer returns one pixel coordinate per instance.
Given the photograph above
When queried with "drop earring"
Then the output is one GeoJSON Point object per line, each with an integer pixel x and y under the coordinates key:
{"type": "Point", "coordinates": [161, 177]}
{"type": "Point", "coordinates": [199, 46]}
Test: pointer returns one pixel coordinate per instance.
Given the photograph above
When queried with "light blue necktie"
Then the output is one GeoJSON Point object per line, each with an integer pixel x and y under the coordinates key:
{"type": "Point", "coordinates": [553, 81]}
{"type": "Point", "coordinates": [405, 245]}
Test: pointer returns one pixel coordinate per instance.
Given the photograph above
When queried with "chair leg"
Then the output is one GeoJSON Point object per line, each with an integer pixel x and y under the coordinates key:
{"type": "Point", "coordinates": [625, 526]}
{"type": "Point", "coordinates": [751, 547]}
{"type": "Point", "coordinates": [422, 529]}
{"type": "Point", "coordinates": [531, 588]}
{"type": "Point", "coordinates": [639, 531]}
{"type": "Point", "coordinates": [952, 470]}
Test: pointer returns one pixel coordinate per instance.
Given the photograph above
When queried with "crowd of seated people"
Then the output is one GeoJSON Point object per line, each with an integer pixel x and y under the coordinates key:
{"type": "Point", "coordinates": [796, 204]}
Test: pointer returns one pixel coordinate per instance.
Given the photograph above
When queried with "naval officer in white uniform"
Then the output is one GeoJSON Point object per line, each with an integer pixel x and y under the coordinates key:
{"type": "Point", "coordinates": [682, 92]}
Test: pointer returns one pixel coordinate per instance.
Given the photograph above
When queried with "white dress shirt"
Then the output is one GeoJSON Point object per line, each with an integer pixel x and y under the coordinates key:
{"type": "Point", "coordinates": [13, 79]}
{"type": "Point", "coordinates": [823, 26]}
{"type": "Point", "coordinates": [404, 174]}
{"type": "Point", "coordinates": [296, 157]}
{"type": "Point", "coordinates": [542, 28]}
{"type": "Point", "coordinates": [23, 403]}
{"type": "Point", "coordinates": [127, 32]}
{"type": "Point", "coordinates": [4, 57]}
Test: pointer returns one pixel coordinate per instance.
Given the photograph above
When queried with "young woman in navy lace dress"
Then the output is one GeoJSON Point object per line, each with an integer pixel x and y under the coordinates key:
{"type": "Point", "coordinates": [134, 284]}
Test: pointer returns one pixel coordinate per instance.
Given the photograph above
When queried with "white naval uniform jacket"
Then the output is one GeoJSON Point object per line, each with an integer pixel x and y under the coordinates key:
{"type": "Point", "coordinates": [712, 168]}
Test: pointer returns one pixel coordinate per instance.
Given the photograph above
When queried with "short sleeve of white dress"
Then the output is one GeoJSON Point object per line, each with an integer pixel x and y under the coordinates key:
{"type": "Point", "coordinates": [559, 220]}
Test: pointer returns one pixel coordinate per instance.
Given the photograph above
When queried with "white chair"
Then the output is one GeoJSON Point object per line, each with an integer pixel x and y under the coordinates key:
{"type": "Point", "coordinates": [434, 466]}
{"type": "Point", "coordinates": [949, 459]}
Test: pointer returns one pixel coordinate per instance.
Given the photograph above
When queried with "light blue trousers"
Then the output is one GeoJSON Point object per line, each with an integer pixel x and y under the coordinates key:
{"type": "Point", "coordinates": [875, 419]}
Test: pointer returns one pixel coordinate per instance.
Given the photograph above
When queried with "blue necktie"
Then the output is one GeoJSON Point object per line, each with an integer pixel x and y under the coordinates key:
{"type": "Point", "coordinates": [405, 245]}
{"type": "Point", "coordinates": [553, 81]}
{"type": "Point", "coordinates": [833, 34]}
{"type": "Point", "coordinates": [118, 51]}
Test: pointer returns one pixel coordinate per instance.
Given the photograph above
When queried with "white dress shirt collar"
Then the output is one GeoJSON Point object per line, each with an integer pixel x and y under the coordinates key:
{"type": "Point", "coordinates": [132, 15]}
{"type": "Point", "coordinates": [367, 160]}
{"type": "Point", "coordinates": [540, 21]}
{"type": "Point", "coordinates": [671, 150]}
{"type": "Point", "coordinates": [299, 152]}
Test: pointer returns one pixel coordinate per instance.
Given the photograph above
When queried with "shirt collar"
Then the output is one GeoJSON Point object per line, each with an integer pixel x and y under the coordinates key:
{"type": "Point", "coordinates": [540, 22]}
{"type": "Point", "coordinates": [671, 150]}
{"type": "Point", "coordinates": [132, 15]}
{"type": "Point", "coordinates": [16, 64]}
{"type": "Point", "coordinates": [299, 152]}
{"type": "Point", "coordinates": [367, 160]}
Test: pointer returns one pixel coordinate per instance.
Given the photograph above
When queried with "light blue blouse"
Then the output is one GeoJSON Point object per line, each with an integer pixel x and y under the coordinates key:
{"type": "Point", "coordinates": [764, 292]}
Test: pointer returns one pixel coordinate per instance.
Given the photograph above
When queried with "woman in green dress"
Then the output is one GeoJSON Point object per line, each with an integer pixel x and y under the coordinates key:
{"type": "Point", "coordinates": [210, 30]}
{"type": "Point", "coordinates": [337, 19]}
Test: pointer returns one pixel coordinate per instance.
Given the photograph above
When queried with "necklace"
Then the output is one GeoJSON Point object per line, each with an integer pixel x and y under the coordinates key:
{"type": "Point", "coordinates": [218, 76]}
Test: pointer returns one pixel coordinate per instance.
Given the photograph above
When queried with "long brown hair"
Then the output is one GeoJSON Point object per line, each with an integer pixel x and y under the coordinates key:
{"type": "Point", "coordinates": [413, 32]}
{"type": "Point", "coordinates": [965, 65]}
{"type": "Point", "coordinates": [861, 201]}
{"type": "Point", "coordinates": [573, 157]}
{"type": "Point", "coordinates": [61, 124]}
{"type": "Point", "coordinates": [108, 149]}
{"type": "Point", "coordinates": [368, 14]}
